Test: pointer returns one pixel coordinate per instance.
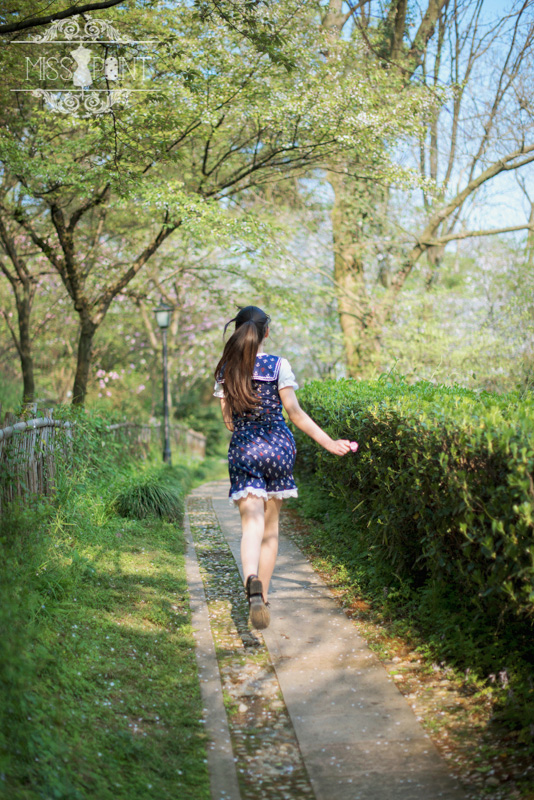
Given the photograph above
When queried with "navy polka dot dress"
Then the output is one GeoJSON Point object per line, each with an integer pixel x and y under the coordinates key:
{"type": "Point", "coordinates": [262, 450]}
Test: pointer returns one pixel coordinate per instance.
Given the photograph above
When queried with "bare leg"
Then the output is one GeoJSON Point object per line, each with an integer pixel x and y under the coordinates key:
{"type": "Point", "coordinates": [252, 510]}
{"type": "Point", "coordinates": [269, 544]}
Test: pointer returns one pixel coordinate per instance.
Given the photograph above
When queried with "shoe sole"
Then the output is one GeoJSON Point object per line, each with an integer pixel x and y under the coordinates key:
{"type": "Point", "coordinates": [259, 616]}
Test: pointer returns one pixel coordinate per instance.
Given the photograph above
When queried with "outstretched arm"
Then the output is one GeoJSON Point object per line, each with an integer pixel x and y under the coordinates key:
{"type": "Point", "coordinates": [339, 447]}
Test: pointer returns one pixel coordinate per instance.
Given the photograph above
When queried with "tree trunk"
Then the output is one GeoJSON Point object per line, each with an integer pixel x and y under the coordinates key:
{"type": "Point", "coordinates": [85, 348]}
{"type": "Point", "coordinates": [23, 291]}
{"type": "Point", "coordinates": [435, 257]}
{"type": "Point", "coordinates": [356, 317]}
{"type": "Point", "coordinates": [530, 238]}
{"type": "Point", "coordinates": [347, 285]}
{"type": "Point", "coordinates": [359, 317]}
{"type": "Point", "coordinates": [25, 352]}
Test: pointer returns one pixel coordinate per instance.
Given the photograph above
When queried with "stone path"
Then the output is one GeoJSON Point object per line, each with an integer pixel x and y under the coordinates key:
{"type": "Point", "coordinates": [220, 754]}
{"type": "Point", "coordinates": [264, 758]}
{"type": "Point", "coordinates": [357, 735]}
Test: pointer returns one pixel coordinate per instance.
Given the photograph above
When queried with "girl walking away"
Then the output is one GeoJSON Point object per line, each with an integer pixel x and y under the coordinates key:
{"type": "Point", "coordinates": [253, 387]}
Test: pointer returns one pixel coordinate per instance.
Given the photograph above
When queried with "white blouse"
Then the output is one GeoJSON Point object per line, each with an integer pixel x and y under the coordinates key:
{"type": "Point", "coordinates": [285, 378]}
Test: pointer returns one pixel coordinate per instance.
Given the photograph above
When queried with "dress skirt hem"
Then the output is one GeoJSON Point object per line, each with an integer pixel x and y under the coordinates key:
{"type": "Point", "coordinates": [283, 494]}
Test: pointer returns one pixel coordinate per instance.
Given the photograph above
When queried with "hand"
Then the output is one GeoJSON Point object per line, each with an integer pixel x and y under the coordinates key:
{"type": "Point", "coordinates": [340, 447]}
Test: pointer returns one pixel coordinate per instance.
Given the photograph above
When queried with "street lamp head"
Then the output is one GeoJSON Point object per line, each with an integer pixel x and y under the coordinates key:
{"type": "Point", "coordinates": [163, 315]}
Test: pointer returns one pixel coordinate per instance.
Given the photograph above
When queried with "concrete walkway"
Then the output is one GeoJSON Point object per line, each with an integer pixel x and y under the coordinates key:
{"type": "Point", "coordinates": [358, 735]}
{"type": "Point", "coordinates": [221, 766]}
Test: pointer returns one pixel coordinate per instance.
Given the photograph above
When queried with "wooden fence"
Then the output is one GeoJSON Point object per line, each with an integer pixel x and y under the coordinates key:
{"type": "Point", "coordinates": [31, 449]}
{"type": "Point", "coordinates": [29, 454]}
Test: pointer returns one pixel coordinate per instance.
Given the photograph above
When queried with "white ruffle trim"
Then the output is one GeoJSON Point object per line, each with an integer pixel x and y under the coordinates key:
{"type": "Point", "coordinates": [282, 495]}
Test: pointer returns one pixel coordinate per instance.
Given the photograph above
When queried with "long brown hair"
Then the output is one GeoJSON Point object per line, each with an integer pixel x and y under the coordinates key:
{"type": "Point", "coordinates": [239, 355]}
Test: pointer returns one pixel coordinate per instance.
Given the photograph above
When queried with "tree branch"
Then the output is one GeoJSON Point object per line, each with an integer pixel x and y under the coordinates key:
{"type": "Point", "coordinates": [276, 158]}
{"type": "Point", "coordinates": [352, 10]}
{"type": "Point", "coordinates": [19, 216]}
{"type": "Point", "coordinates": [11, 278]}
{"type": "Point", "coordinates": [70, 275]}
{"type": "Point", "coordinates": [399, 28]}
{"type": "Point", "coordinates": [92, 202]}
{"type": "Point", "coordinates": [425, 31]}
{"type": "Point", "coordinates": [506, 78]}
{"type": "Point", "coordinates": [10, 328]}
{"type": "Point", "coordinates": [141, 305]}
{"type": "Point", "coordinates": [18, 263]}
{"type": "Point", "coordinates": [105, 299]}
{"type": "Point", "coordinates": [452, 237]}
{"type": "Point", "coordinates": [502, 165]}
{"type": "Point", "coordinates": [427, 238]}
{"type": "Point", "coordinates": [35, 22]}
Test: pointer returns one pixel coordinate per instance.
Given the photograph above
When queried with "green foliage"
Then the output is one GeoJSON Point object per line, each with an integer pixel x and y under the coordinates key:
{"type": "Point", "coordinates": [197, 410]}
{"type": "Point", "coordinates": [10, 391]}
{"type": "Point", "coordinates": [438, 505]}
{"type": "Point", "coordinates": [152, 494]}
{"type": "Point", "coordinates": [468, 322]}
{"type": "Point", "coordinates": [228, 81]}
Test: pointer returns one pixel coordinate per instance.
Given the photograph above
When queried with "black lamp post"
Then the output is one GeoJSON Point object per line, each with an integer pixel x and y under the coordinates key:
{"type": "Point", "coordinates": [163, 317]}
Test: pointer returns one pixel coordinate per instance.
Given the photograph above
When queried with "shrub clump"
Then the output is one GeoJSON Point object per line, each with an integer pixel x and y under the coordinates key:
{"type": "Point", "coordinates": [438, 501]}
{"type": "Point", "coordinates": [154, 494]}
{"type": "Point", "coordinates": [442, 481]}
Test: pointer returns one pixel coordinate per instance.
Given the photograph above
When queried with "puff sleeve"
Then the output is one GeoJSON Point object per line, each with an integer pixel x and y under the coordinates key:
{"type": "Point", "coordinates": [286, 376]}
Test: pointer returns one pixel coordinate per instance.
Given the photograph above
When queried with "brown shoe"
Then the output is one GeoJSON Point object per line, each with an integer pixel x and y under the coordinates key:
{"type": "Point", "coordinates": [259, 615]}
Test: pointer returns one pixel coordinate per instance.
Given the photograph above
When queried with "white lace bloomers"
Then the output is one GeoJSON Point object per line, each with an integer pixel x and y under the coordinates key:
{"type": "Point", "coordinates": [262, 450]}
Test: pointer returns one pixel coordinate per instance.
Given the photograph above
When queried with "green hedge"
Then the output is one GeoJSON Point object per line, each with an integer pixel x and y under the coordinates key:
{"type": "Point", "coordinates": [441, 489]}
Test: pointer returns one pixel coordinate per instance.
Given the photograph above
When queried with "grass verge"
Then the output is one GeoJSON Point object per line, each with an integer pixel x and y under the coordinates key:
{"type": "Point", "coordinates": [100, 690]}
